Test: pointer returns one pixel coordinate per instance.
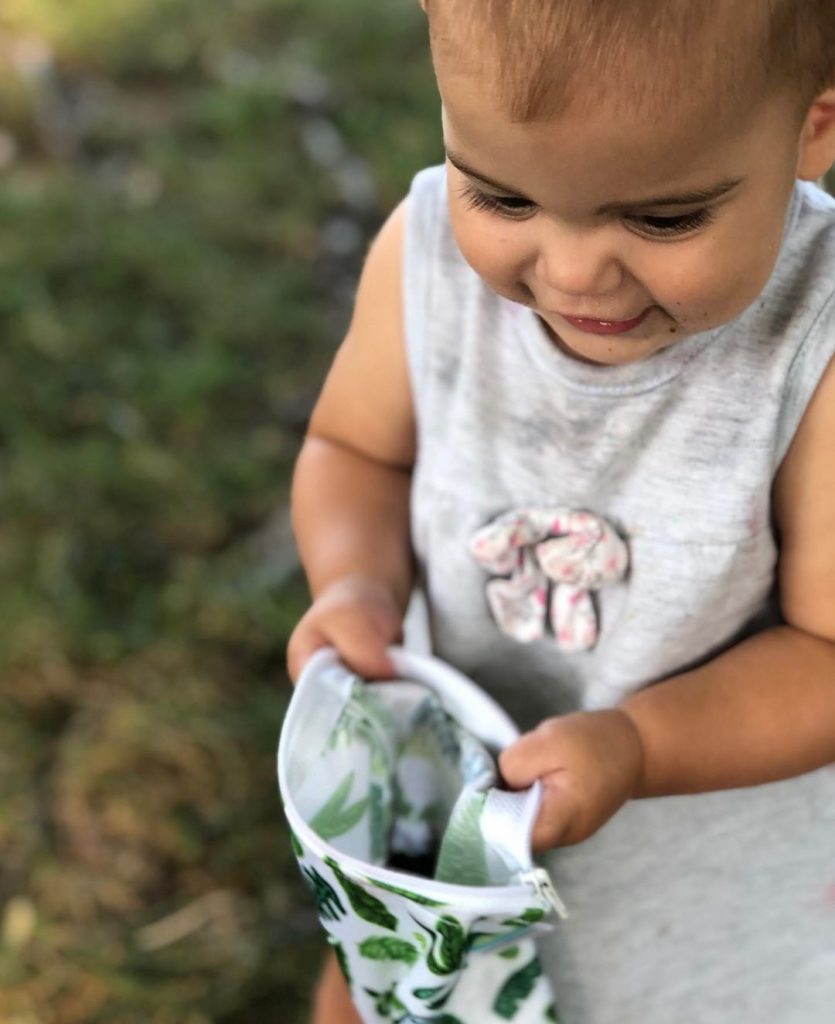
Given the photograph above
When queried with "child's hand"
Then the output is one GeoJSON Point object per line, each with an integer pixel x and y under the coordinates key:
{"type": "Point", "coordinates": [357, 616]}
{"type": "Point", "coordinates": [589, 763]}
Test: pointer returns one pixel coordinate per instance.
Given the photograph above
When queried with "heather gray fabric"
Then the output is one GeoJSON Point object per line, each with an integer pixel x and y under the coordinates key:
{"type": "Point", "coordinates": [717, 908]}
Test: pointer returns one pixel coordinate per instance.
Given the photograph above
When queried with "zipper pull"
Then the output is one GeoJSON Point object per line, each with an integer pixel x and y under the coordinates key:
{"type": "Point", "coordinates": [540, 881]}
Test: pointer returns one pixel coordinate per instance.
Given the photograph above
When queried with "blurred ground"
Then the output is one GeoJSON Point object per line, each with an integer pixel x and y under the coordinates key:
{"type": "Point", "coordinates": [186, 189]}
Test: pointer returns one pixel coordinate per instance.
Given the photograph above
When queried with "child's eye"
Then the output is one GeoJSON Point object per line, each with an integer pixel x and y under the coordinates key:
{"type": "Point", "coordinates": [506, 206]}
{"type": "Point", "coordinates": [661, 227]}
{"type": "Point", "coordinates": [518, 208]}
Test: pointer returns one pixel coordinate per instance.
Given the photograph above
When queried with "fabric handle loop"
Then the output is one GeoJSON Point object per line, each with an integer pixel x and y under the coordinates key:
{"type": "Point", "coordinates": [507, 823]}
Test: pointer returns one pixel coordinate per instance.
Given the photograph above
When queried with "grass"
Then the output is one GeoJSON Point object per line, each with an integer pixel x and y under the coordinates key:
{"type": "Point", "coordinates": [186, 190]}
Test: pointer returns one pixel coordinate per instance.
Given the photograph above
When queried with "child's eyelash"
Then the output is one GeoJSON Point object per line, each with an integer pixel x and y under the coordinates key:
{"type": "Point", "coordinates": [508, 206]}
{"type": "Point", "coordinates": [517, 207]}
{"type": "Point", "coordinates": [679, 224]}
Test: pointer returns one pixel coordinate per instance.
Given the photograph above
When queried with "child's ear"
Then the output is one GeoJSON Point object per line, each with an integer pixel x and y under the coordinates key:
{"type": "Point", "coordinates": [817, 138]}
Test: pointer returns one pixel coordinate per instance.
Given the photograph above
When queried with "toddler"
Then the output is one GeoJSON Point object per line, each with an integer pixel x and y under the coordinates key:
{"type": "Point", "coordinates": [585, 409]}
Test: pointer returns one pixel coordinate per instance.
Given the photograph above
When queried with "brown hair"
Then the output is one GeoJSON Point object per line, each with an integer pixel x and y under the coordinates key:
{"type": "Point", "coordinates": [647, 52]}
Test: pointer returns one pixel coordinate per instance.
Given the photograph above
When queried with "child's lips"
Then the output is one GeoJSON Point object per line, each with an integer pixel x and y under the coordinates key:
{"type": "Point", "coordinates": [592, 326]}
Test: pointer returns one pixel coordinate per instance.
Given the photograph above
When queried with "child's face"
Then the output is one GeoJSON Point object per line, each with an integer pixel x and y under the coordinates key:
{"type": "Point", "coordinates": [576, 229]}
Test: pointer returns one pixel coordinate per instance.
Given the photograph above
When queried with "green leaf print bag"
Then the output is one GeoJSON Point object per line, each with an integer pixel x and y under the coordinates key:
{"type": "Point", "coordinates": [419, 864]}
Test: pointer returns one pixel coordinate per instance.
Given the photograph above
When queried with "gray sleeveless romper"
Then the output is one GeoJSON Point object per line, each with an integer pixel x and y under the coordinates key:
{"type": "Point", "coordinates": [708, 909]}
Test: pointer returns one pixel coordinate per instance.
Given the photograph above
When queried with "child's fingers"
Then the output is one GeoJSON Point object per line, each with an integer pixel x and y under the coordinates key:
{"type": "Point", "coordinates": [589, 763]}
{"type": "Point", "coordinates": [536, 756]}
{"type": "Point", "coordinates": [361, 641]}
{"type": "Point", "coordinates": [528, 758]}
{"type": "Point", "coordinates": [564, 815]}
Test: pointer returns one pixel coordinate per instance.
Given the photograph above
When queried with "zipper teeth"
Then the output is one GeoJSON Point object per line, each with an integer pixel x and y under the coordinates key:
{"type": "Point", "coordinates": [501, 894]}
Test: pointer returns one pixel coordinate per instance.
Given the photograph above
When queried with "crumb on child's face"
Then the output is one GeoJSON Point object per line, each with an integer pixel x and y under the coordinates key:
{"type": "Point", "coordinates": [565, 216]}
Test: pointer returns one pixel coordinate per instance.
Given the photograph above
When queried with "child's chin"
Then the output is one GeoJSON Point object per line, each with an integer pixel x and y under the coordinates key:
{"type": "Point", "coordinates": [610, 350]}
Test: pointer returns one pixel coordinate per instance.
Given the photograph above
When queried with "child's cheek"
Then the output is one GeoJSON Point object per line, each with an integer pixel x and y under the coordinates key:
{"type": "Point", "coordinates": [711, 284]}
{"type": "Point", "coordinates": [493, 250]}
{"type": "Point", "coordinates": [721, 278]}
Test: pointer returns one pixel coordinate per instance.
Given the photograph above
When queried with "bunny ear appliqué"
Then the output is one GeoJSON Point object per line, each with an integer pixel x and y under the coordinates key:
{"type": "Point", "coordinates": [519, 602]}
{"type": "Point", "coordinates": [545, 563]}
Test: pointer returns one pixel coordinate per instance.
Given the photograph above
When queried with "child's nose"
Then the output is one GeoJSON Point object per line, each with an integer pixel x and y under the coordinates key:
{"type": "Point", "coordinates": [576, 262]}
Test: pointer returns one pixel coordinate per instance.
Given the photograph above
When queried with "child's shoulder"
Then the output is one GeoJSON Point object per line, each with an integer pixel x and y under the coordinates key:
{"type": "Point", "coordinates": [365, 404]}
{"type": "Point", "coordinates": [800, 298]}
{"type": "Point", "coordinates": [426, 203]}
{"type": "Point", "coordinates": [430, 181]}
{"type": "Point", "coordinates": [814, 199]}
{"type": "Point", "coordinates": [811, 224]}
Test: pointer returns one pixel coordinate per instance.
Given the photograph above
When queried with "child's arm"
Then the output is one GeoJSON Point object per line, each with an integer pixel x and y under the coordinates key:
{"type": "Point", "coordinates": [764, 710]}
{"type": "Point", "coordinates": [350, 499]}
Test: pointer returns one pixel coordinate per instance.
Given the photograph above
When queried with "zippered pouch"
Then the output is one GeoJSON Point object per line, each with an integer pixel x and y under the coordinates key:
{"type": "Point", "coordinates": [419, 863]}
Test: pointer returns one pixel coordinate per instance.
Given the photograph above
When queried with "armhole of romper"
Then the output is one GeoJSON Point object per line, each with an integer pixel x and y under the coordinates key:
{"type": "Point", "coordinates": [419, 251]}
{"type": "Point", "coordinates": [810, 363]}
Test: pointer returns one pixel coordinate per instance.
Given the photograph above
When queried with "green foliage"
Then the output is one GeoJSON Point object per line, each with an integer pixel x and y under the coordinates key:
{"type": "Point", "coordinates": [516, 990]}
{"type": "Point", "coordinates": [342, 960]}
{"type": "Point", "coordinates": [449, 945]}
{"type": "Point", "coordinates": [295, 845]}
{"type": "Point", "coordinates": [435, 997]}
{"type": "Point", "coordinates": [415, 897]}
{"type": "Point", "coordinates": [382, 947]}
{"type": "Point", "coordinates": [335, 819]}
{"type": "Point", "coordinates": [366, 906]}
{"type": "Point", "coordinates": [327, 902]}
{"type": "Point", "coordinates": [387, 1004]}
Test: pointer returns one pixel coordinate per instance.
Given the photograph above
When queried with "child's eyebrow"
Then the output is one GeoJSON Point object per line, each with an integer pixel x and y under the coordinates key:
{"type": "Point", "coordinates": [465, 168]}
{"type": "Point", "coordinates": [700, 195]}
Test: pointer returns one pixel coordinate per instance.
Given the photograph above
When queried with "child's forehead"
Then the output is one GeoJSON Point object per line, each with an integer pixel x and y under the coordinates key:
{"type": "Point", "coordinates": [592, 156]}
{"type": "Point", "coordinates": [709, 56]}
{"type": "Point", "coordinates": [688, 122]}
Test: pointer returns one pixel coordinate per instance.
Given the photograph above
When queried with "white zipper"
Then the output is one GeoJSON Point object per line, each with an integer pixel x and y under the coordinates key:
{"type": "Point", "coordinates": [539, 879]}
